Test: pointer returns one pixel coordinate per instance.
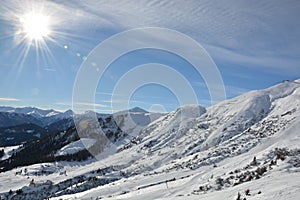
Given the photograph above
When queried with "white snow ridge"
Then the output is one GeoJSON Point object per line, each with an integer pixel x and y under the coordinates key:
{"type": "Point", "coordinates": [243, 148]}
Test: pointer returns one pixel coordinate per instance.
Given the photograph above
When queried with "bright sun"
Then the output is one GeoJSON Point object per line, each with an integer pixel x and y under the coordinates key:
{"type": "Point", "coordinates": [35, 26]}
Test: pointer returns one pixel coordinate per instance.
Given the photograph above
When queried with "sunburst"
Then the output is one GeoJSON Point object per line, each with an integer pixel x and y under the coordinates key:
{"type": "Point", "coordinates": [35, 29]}
{"type": "Point", "coordinates": [35, 26]}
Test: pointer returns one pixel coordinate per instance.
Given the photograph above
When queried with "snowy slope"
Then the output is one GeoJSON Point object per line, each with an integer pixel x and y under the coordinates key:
{"type": "Point", "coordinates": [132, 121]}
{"type": "Point", "coordinates": [76, 146]}
{"type": "Point", "coordinates": [8, 151]}
{"type": "Point", "coordinates": [250, 143]}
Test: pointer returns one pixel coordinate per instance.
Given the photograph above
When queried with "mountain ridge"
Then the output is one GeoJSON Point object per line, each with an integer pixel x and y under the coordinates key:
{"type": "Point", "coordinates": [250, 142]}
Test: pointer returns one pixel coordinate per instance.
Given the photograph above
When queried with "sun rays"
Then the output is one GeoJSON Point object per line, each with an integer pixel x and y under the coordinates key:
{"type": "Point", "coordinates": [40, 35]}
{"type": "Point", "coordinates": [35, 26]}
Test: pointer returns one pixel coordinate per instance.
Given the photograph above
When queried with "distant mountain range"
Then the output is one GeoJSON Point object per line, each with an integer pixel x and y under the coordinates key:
{"type": "Point", "coordinates": [242, 148]}
{"type": "Point", "coordinates": [37, 112]}
{"type": "Point", "coordinates": [18, 125]}
{"type": "Point", "coordinates": [16, 116]}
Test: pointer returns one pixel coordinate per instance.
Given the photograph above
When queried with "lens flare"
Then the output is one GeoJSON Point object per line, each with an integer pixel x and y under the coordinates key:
{"type": "Point", "coordinates": [38, 30]}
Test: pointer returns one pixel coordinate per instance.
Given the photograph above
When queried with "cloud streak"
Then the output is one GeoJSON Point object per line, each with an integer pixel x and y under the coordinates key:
{"type": "Point", "coordinates": [84, 104]}
{"type": "Point", "coordinates": [231, 91]}
{"type": "Point", "coordinates": [8, 99]}
{"type": "Point", "coordinates": [256, 33]}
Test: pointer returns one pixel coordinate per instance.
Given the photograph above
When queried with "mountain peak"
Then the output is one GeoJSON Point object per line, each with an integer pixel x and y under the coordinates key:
{"type": "Point", "coordinates": [297, 81]}
{"type": "Point", "coordinates": [137, 109]}
{"type": "Point", "coordinates": [191, 110]}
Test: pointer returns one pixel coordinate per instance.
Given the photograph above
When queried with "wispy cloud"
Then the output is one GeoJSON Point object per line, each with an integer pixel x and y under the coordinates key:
{"type": "Point", "coordinates": [49, 69]}
{"type": "Point", "coordinates": [87, 104]}
{"type": "Point", "coordinates": [107, 93]}
{"type": "Point", "coordinates": [256, 33]}
{"type": "Point", "coordinates": [63, 103]}
{"type": "Point", "coordinates": [231, 91]}
{"type": "Point", "coordinates": [263, 35]}
{"type": "Point", "coordinates": [257, 59]}
{"type": "Point", "coordinates": [81, 107]}
{"type": "Point", "coordinates": [119, 95]}
{"type": "Point", "coordinates": [123, 101]}
{"type": "Point", "coordinates": [90, 104]}
{"type": "Point", "coordinates": [8, 99]}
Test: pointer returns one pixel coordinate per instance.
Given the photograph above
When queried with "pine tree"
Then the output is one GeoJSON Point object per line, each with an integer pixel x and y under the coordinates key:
{"type": "Point", "coordinates": [247, 192]}
{"type": "Point", "coordinates": [238, 197]}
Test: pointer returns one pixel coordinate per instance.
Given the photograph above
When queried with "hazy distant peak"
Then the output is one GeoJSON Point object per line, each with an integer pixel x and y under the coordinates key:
{"type": "Point", "coordinates": [137, 109]}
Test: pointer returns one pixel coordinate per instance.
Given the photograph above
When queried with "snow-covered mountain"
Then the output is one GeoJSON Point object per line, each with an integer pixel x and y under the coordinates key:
{"type": "Point", "coordinates": [36, 112]}
{"type": "Point", "coordinates": [242, 148]}
{"type": "Point", "coordinates": [18, 125]}
{"type": "Point", "coordinates": [12, 119]}
{"type": "Point", "coordinates": [132, 121]}
{"type": "Point", "coordinates": [14, 122]}
{"type": "Point", "coordinates": [40, 117]}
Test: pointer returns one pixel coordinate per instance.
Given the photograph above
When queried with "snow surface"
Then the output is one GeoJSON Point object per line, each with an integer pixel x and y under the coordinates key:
{"type": "Point", "coordinates": [180, 153]}
{"type": "Point", "coordinates": [8, 151]}
{"type": "Point", "coordinates": [132, 121]}
{"type": "Point", "coordinates": [76, 146]}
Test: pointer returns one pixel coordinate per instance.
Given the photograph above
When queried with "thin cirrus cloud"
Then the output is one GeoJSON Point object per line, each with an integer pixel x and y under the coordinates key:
{"type": "Point", "coordinates": [107, 94]}
{"type": "Point", "coordinates": [254, 33]}
{"type": "Point", "coordinates": [8, 99]}
{"type": "Point", "coordinates": [123, 101]}
{"type": "Point", "coordinates": [49, 69]}
{"type": "Point", "coordinates": [87, 104]}
{"type": "Point", "coordinates": [231, 90]}
{"type": "Point", "coordinates": [119, 95]}
{"type": "Point", "coordinates": [90, 104]}
{"type": "Point", "coordinates": [241, 36]}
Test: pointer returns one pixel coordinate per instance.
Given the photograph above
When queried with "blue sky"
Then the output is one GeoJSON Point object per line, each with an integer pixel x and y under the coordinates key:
{"type": "Point", "coordinates": [255, 44]}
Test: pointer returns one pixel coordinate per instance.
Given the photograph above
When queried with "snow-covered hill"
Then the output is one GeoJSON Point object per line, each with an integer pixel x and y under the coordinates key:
{"type": "Point", "coordinates": [246, 147]}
